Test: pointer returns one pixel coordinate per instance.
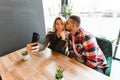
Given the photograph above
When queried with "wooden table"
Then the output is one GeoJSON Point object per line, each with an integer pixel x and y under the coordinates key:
{"type": "Point", "coordinates": [43, 66]}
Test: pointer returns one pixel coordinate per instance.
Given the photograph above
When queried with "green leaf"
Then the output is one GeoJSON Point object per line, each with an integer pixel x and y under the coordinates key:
{"type": "Point", "coordinates": [24, 53]}
{"type": "Point", "coordinates": [59, 73]}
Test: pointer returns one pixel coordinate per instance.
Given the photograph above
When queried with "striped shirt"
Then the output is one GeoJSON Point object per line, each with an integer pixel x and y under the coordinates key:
{"type": "Point", "coordinates": [83, 46]}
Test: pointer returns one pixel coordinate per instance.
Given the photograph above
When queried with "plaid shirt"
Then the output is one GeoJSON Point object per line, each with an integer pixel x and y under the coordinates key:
{"type": "Point", "coordinates": [87, 48]}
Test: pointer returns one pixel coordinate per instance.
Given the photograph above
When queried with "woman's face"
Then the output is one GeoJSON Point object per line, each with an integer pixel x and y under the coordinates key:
{"type": "Point", "coordinates": [59, 25]}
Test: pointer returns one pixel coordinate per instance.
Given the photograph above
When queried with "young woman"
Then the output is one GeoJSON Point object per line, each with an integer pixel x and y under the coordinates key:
{"type": "Point", "coordinates": [55, 39]}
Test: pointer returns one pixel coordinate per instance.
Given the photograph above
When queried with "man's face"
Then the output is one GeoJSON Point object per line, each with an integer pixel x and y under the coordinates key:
{"type": "Point", "coordinates": [69, 25]}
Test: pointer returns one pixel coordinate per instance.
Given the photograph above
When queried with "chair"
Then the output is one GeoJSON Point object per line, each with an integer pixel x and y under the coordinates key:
{"type": "Point", "coordinates": [106, 47]}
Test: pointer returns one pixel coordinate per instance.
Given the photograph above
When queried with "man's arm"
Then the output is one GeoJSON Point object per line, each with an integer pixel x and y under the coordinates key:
{"type": "Point", "coordinates": [91, 49]}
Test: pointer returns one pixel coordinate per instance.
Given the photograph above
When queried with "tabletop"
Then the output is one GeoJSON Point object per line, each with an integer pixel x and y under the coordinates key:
{"type": "Point", "coordinates": [42, 66]}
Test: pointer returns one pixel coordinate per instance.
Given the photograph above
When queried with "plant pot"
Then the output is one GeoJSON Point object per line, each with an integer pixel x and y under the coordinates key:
{"type": "Point", "coordinates": [60, 79]}
{"type": "Point", "coordinates": [26, 57]}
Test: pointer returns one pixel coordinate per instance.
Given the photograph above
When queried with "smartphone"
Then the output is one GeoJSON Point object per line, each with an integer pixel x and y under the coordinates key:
{"type": "Point", "coordinates": [35, 37]}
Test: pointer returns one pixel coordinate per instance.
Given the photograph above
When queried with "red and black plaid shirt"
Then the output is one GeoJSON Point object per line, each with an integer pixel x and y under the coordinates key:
{"type": "Point", "coordinates": [86, 45]}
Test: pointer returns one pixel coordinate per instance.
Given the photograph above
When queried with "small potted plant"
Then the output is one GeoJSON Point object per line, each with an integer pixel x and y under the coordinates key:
{"type": "Point", "coordinates": [59, 74]}
{"type": "Point", "coordinates": [25, 55]}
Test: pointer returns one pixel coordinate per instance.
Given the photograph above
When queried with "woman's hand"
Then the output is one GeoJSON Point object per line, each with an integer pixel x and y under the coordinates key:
{"type": "Point", "coordinates": [62, 34]}
{"type": "Point", "coordinates": [32, 48]}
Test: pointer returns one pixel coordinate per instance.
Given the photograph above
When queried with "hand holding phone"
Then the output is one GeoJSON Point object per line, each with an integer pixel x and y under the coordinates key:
{"type": "Point", "coordinates": [35, 38]}
{"type": "Point", "coordinates": [31, 48]}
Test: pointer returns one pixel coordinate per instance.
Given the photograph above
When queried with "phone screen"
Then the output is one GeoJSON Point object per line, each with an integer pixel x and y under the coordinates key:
{"type": "Point", "coordinates": [35, 37]}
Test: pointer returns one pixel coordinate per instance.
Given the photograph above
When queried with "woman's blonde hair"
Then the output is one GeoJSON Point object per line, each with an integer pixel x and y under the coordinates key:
{"type": "Point", "coordinates": [54, 24]}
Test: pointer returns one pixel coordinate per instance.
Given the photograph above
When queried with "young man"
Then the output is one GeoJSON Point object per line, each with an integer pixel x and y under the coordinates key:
{"type": "Point", "coordinates": [83, 46]}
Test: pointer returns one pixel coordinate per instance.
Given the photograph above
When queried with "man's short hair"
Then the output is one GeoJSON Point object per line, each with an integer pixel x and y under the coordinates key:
{"type": "Point", "coordinates": [76, 19]}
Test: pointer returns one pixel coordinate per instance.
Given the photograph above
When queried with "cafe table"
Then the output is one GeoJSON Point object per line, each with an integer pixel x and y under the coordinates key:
{"type": "Point", "coordinates": [43, 65]}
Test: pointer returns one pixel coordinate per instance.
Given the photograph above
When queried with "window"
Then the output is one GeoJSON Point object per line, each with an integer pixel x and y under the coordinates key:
{"type": "Point", "coordinates": [100, 17]}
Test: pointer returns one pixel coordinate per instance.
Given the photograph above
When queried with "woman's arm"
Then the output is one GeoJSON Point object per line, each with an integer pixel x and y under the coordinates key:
{"type": "Point", "coordinates": [31, 48]}
{"type": "Point", "coordinates": [44, 44]}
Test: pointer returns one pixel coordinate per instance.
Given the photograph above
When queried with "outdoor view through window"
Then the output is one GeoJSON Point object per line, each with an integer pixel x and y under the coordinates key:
{"type": "Point", "coordinates": [100, 17]}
